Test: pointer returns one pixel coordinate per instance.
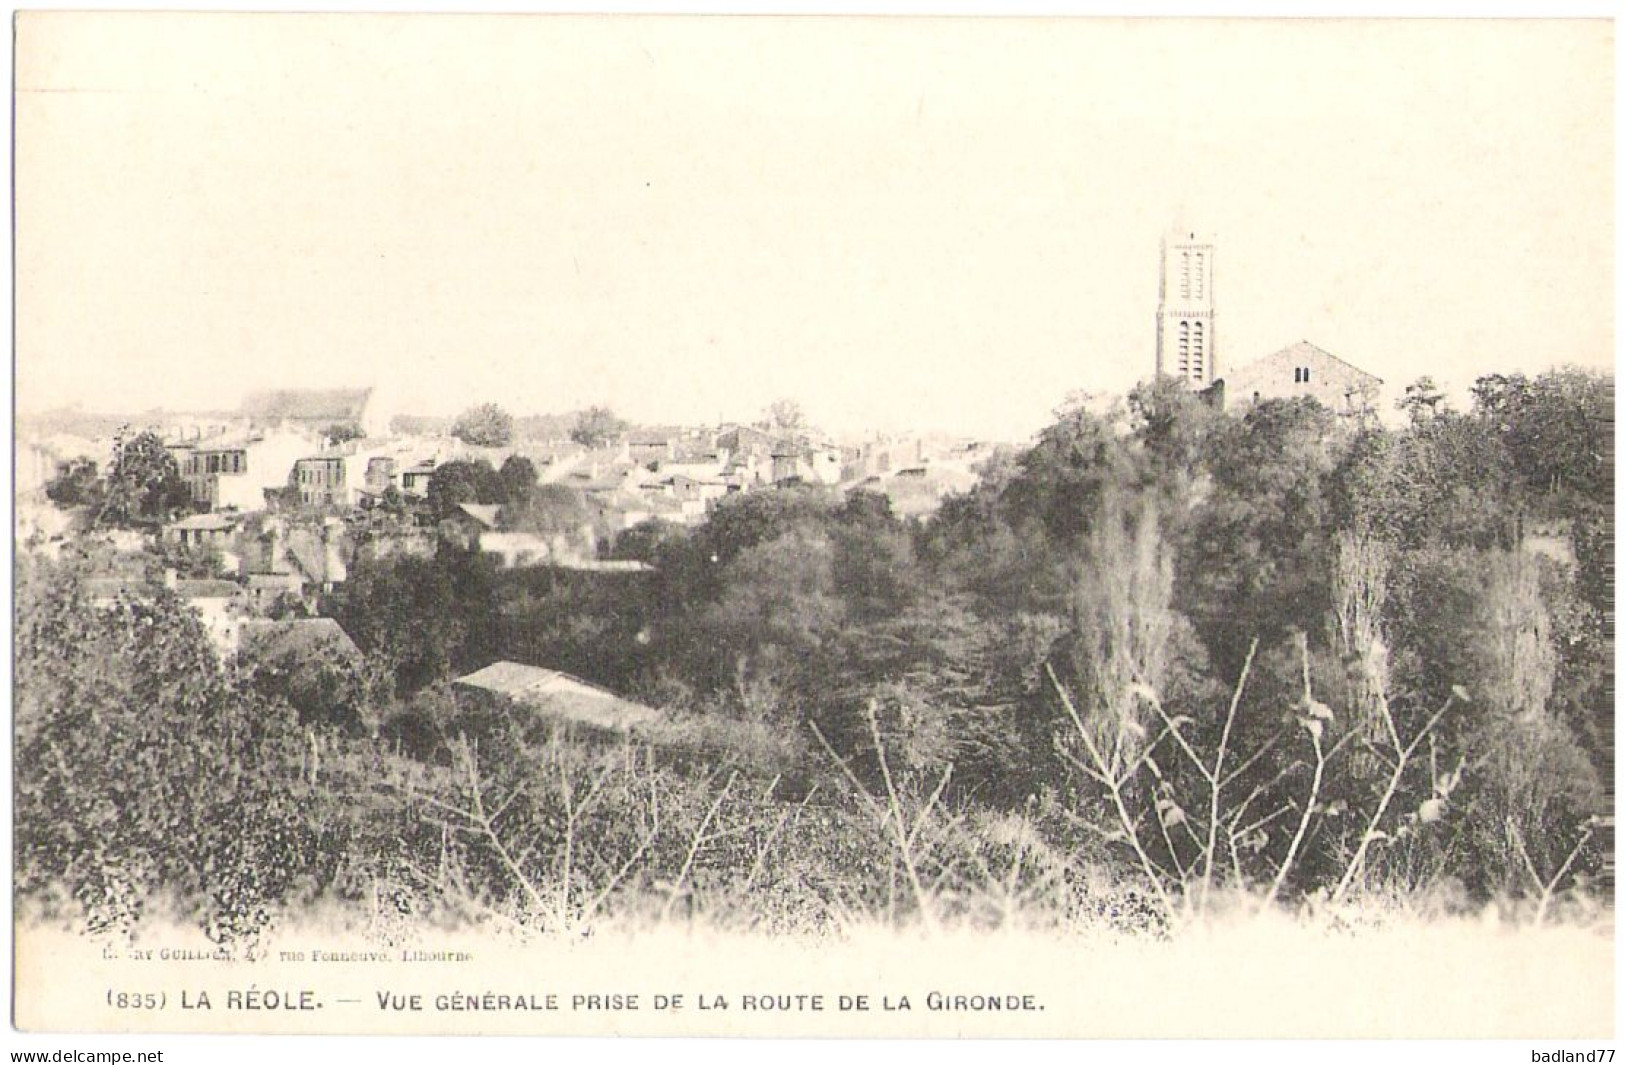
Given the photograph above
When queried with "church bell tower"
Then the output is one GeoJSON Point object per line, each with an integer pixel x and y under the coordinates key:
{"type": "Point", "coordinates": [1185, 348]}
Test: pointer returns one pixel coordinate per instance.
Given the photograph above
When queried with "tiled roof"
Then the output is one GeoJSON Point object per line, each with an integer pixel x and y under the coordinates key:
{"type": "Point", "coordinates": [274, 580]}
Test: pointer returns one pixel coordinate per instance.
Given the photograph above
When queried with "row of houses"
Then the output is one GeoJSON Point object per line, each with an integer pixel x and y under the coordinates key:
{"type": "Point", "coordinates": [295, 449]}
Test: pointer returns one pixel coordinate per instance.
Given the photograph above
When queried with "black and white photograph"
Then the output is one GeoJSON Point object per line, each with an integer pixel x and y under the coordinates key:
{"type": "Point", "coordinates": [789, 526]}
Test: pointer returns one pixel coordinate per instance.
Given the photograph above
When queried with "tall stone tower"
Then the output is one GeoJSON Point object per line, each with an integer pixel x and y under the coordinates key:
{"type": "Point", "coordinates": [1185, 348]}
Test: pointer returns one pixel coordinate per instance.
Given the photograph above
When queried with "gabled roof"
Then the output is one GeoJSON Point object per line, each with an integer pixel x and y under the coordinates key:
{"type": "Point", "coordinates": [307, 404]}
{"type": "Point", "coordinates": [1303, 349]}
{"type": "Point", "coordinates": [559, 695]}
{"type": "Point", "coordinates": [484, 513]}
{"type": "Point", "coordinates": [281, 579]}
{"type": "Point", "coordinates": [309, 557]}
{"type": "Point", "coordinates": [137, 587]}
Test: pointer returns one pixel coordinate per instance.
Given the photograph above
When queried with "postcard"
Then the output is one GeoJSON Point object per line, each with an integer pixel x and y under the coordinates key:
{"type": "Point", "coordinates": [813, 526]}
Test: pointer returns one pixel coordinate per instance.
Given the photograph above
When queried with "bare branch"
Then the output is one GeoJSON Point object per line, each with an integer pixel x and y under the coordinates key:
{"type": "Point", "coordinates": [1115, 788]}
{"type": "Point", "coordinates": [1371, 829]}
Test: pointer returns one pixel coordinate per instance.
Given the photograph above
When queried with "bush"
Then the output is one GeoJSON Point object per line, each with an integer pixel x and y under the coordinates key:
{"type": "Point", "coordinates": [140, 770]}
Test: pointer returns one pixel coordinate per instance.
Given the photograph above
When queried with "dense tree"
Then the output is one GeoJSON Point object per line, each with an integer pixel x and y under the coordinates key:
{"type": "Point", "coordinates": [1446, 479]}
{"type": "Point", "coordinates": [875, 570]}
{"type": "Point", "coordinates": [140, 770]}
{"type": "Point", "coordinates": [976, 543]}
{"type": "Point", "coordinates": [325, 681]}
{"type": "Point", "coordinates": [556, 512]}
{"type": "Point", "coordinates": [486, 425]}
{"type": "Point", "coordinates": [343, 432]}
{"type": "Point", "coordinates": [1258, 559]}
{"type": "Point", "coordinates": [1423, 401]}
{"type": "Point", "coordinates": [410, 613]}
{"type": "Point", "coordinates": [544, 426]}
{"type": "Point", "coordinates": [597, 426]}
{"type": "Point", "coordinates": [143, 483]}
{"type": "Point", "coordinates": [455, 483]}
{"type": "Point", "coordinates": [777, 606]}
{"type": "Point", "coordinates": [785, 416]}
{"type": "Point", "coordinates": [1479, 621]}
{"type": "Point", "coordinates": [1555, 428]}
{"type": "Point", "coordinates": [1060, 480]}
{"type": "Point", "coordinates": [76, 484]}
{"type": "Point", "coordinates": [163, 555]}
{"type": "Point", "coordinates": [1173, 427]}
{"type": "Point", "coordinates": [593, 625]}
{"type": "Point", "coordinates": [739, 522]}
{"type": "Point", "coordinates": [648, 541]}
{"type": "Point", "coordinates": [518, 475]}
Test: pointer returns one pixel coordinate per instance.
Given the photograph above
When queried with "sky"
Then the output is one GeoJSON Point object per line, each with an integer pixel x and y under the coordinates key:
{"type": "Point", "coordinates": [946, 224]}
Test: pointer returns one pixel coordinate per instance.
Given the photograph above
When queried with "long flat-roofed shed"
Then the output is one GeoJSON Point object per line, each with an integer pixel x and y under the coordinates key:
{"type": "Point", "coordinates": [557, 696]}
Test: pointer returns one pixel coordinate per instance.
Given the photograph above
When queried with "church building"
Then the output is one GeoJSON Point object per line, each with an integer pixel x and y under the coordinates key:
{"type": "Point", "coordinates": [1305, 370]}
{"type": "Point", "coordinates": [1187, 349]}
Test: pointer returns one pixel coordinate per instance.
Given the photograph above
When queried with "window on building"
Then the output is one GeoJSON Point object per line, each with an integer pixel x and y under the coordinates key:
{"type": "Point", "coordinates": [1184, 275]}
{"type": "Point", "coordinates": [1200, 275]}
